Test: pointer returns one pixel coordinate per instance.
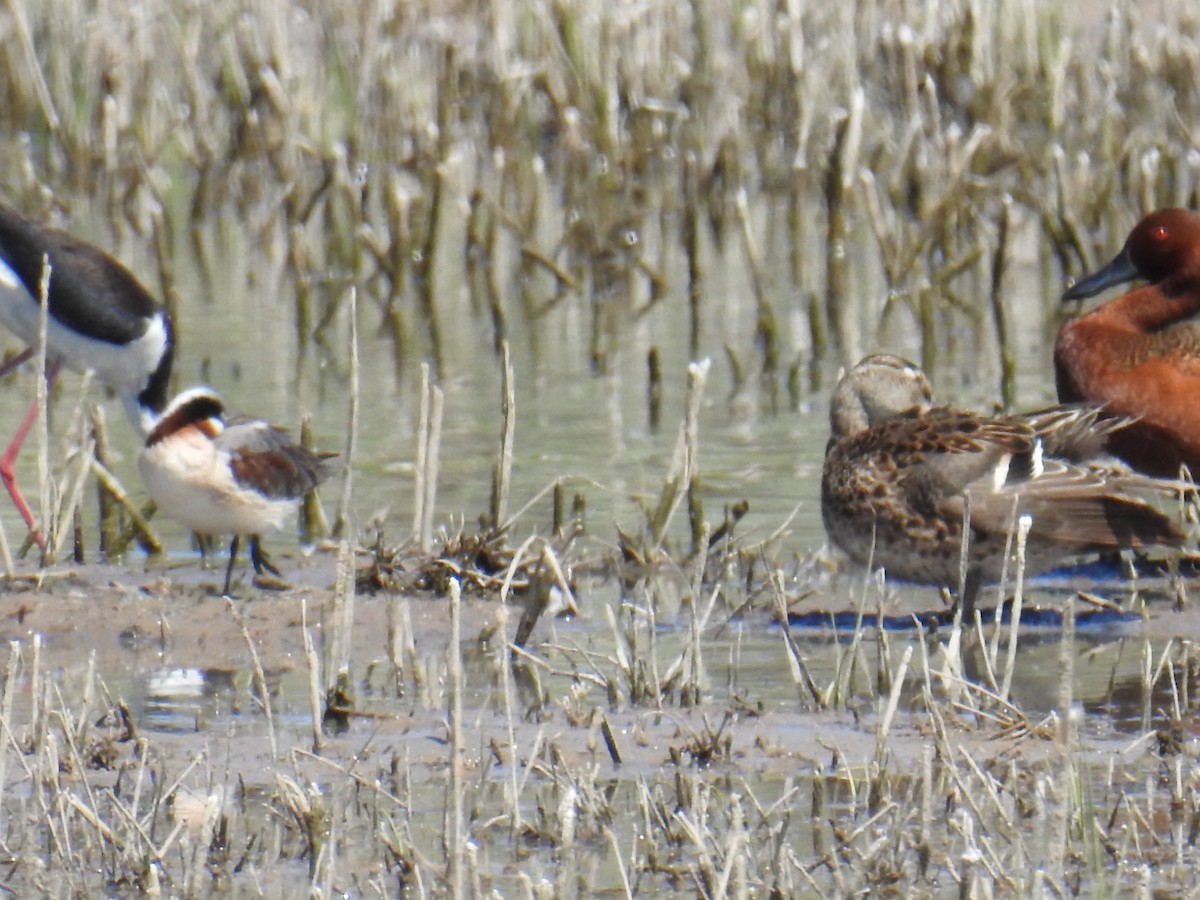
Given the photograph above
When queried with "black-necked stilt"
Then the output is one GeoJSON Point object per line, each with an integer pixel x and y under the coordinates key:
{"type": "Point", "coordinates": [241, 476]}
{"type": "Point", "coordinates": [100, 318]}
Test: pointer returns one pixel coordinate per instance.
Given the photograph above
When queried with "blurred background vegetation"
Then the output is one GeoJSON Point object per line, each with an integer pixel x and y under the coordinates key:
{"type": "Point", "coordinates": [838, 170]}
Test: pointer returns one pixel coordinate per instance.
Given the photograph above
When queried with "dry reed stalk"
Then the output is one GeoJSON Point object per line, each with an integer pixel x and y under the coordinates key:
{"type": "Point", "coordinates": [39, 725]}
{"type": "Point", "coordinates": [429, 431]}
{"type": "Point", "coordinates": [78, 464]}
{"type": "Point", "coordinates": [506, 662]}
{"type": "Point", "coordinates": [139, 524]}
{"type": "Point", "coordinates": [260, 678]}
{"type": "Point", "coordinates": [401, 644]}
{"type": "Point", "coordinates": [692, 689]}
{"type": "Point", "coordinates": [495, 302]}
{"type": "Point", "coordinates": [33, 65]}
{"type": "Point", "coordinates": [301, 265]}
{"type": "Point", "coordinates": [6, 553]}
{"type": "Point", "coordinates": [558, 510]}
{"type": "Point", "coordinates": [1008, 366]}
{"type": "Point", "coordinates": [766, 327]}
{"type": "Point", "coordinates": [42, 430]}
{"type": "Point", "coordinates": [842, 169]}
{"type": "Point", "coordinates": [419, 468]}
{"type": "Point", "coordinates": [889, 713]}
{"type": "Point", "coordinates": [432, 460]}
{"type": "Point", "coordinates": [110, 522]}
{"type": "Point", "coordinates": [345, 521]}
{"type": "Point", "coordinates": [315, 706]}
{"type": "Point", "coordinates": [9, 744]}
{"type": "Point", "coordinates": [456, 839]}
{"type": "Point", "coordinates": [1024, 523]}
{"type": "Point", "coordinates": [340, 631]}
{"type": "Point", "coordinates": [685, 463]}
{"type": "Point", "coordinates": [654, 390]}
{"type": "Point", "coordinates": [313, 524]}
{"type": "Point", "coordinates": [690, 235]}
{"type": "Point", "coordinates": [502, 473]}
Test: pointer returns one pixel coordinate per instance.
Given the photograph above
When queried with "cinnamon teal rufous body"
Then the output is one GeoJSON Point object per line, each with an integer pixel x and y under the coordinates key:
{"type": "Point", "coordinates": [1139, 355]}
{"type": "Point", "coordinates": [901, 475]}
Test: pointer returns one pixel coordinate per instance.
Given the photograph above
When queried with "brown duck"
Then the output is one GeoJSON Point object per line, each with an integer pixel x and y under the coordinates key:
{"type": "Point", "coordinates": [901, 476]}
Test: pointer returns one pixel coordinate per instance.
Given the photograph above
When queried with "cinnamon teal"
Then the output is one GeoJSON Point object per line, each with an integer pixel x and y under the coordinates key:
{"type": "Point", "coordinates": [902, 475]}
{"type": "Point", "coordinates": [1139, 354]}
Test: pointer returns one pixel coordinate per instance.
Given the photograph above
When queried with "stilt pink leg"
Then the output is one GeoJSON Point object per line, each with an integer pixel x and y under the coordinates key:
{"type": "Point", "coordinates": [7, 474]}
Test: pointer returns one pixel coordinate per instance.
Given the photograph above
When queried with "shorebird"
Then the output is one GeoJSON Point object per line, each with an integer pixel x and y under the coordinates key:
{"type": "Point", "coordinates": [903, 479]}
{"type": "Point", "coordinates": [99, 318]}
{"type": "Point", "coordinates": [239, 476]}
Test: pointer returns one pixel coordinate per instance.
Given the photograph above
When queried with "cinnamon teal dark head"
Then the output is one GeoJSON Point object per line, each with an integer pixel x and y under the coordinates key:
{"type": "Point", "coordinates": [902, 476]}
{"type": "Point", "coordinates": [1139, 354]}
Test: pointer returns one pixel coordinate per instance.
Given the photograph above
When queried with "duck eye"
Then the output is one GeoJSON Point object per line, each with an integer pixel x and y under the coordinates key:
{"type": "Point", "coordinates": [1160, 233]}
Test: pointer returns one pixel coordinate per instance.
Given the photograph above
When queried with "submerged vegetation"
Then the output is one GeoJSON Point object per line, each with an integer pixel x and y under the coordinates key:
{"type": "Point", "coordinates": [778, 186]}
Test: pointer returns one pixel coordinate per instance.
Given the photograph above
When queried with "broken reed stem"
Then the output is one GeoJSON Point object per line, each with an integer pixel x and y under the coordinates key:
{"type": "Point", "coordinates": [507, 661]}
{"type": "Point", "coordinates": [422, 455]}
{"type": "Point", "coordinates": [654, 389]}
{"type": "Point", "coordinates": [139, 525]}
{"type": "Point", "coordinates": [39, 697]}
{"type": "Point", "coordinates": [344, 528]}
{"type": "Point", "coordinates": [260, 677]}
{"type": "Point", "coordinates": [455, 843]}
{"type": "Point", "coordinates": [312, 515]}
{"type": "Point", "coordinates": [430, 479]}
{"type": "Point", "coordinates": [32, 60]}
{"type": "Point", "coordinates": [429, 434]}
{"type": "Point", "coordinates": [6, 714]}
{"type": "Point", "coordinates": [502, 475]}
{"type": "Point", "coordinates": [43, 422]}
{"type": "Point", "coordinates": [341, 611]}
{"type": "Point", "coordinates": [885, 723]}
{"type": "Point", "coordinates": [110, 518]}
{"type": "Point", "coordinates": [1008, 366]}
{"type": "Point", "coordinates": [692, 690]}
{"type": "Point", "coordinates": [685, 463]}
{"type": "Point", "coordinates": [6, 553]}
{"type": "Point", "coordinates": [1066, 669]}
{"type": "Point", "coordinates": [691, 249]}
{"type": "Point", "coordinates": [1024, 523]}
{"type": "Point", "coordinates": [314, 679]}
{"type": "Point", "coordinates": [766, 327]}
{"type": "Point", "coordinates": [494, 298]}
{"type": "Point", "coordinates": [840, 311]}
{"type": "Point", "coordinates": [69, 502]}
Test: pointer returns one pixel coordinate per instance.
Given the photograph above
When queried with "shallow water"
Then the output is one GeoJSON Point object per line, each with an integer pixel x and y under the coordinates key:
{"type": "Point", "coordinates": [590, 430]}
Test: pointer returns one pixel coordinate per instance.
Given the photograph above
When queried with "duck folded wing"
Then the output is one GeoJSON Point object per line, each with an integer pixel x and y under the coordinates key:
{"type": "Point", "coordinates": [1069, 505]}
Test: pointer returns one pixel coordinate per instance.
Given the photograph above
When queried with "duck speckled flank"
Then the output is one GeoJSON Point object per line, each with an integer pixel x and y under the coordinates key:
{"type": "Point", "coordinates": [901, 474]}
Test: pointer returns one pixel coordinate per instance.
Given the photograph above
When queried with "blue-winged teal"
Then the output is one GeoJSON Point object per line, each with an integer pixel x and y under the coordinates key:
{"type": "Point", "coordinates": [901, 474]}
{"type": "Point", "coordinates": [1139, 354]}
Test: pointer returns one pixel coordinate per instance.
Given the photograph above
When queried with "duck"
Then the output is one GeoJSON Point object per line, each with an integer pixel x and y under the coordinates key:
{"type": "Point", "coordinates": [1138, 355]}
{"type": "Point", "coordinates": [228, 475]}
{"type": "Point", "coordinates": [902, 476]}
{"type": "Point", "coordinates": [99, 318]}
